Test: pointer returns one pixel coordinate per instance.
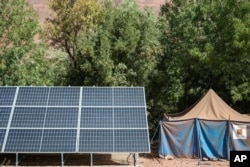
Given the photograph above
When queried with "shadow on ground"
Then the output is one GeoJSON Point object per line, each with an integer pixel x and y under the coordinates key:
{"type": "Point", "coordinates": [55, 160]}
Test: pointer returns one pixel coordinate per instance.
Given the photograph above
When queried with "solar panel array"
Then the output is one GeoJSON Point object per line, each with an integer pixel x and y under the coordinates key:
{"type": "Point", "coordinates": [73, 119]}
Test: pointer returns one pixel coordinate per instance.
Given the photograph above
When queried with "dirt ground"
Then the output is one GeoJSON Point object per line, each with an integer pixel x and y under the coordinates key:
{"type": "Point", "coordinates": [180, 162]}
{"type": "Point", "coordinates": [119, 160]}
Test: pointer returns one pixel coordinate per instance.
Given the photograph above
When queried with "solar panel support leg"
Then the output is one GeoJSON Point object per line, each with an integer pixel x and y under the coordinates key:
{"type": "Point", "coordinates": [16, 159]}
{"type": "Point", "coordinates": [135, 158]}
{"type": "Point", "coordinates": [91, 159]}
{"type": "Point", "coordinates": [62, 159]}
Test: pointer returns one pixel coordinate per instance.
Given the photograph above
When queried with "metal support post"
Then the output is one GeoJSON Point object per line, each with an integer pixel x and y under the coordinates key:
{"type": "Point", "coordinates": [135, 158]}
{"type": "Point", "coordinates": [62, 159]}
{"type": "Point", "coordinates": [91, 159]}
{"type": "Point", "coordinates": [16, 159]}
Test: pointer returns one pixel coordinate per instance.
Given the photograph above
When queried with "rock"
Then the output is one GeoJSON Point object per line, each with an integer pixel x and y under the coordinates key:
{"type": "Point", "coordinates": [169, 157]}
{"type": "Point", "coordinates": [204, 159]}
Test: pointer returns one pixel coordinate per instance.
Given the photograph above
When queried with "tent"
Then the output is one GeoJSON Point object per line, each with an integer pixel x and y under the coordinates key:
{"type": "Point", "coordinates": [208, 129]}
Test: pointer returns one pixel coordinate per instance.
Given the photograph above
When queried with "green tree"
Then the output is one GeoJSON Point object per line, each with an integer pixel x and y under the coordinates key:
{"type": "Point", "coordinates": [208, 42]}
{"type": "Point", "coordinates": [22, 59]}
{"type": "Point", "coordinates": [117, 45]}
{"type": "Point", "coordinates": [71, 19]}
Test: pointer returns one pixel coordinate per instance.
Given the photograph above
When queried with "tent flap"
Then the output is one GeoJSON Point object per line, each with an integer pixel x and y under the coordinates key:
{"type": "Point", "coordinates": [203, 138]}
{"type": "Point", "coordinates": [178, 139]}
{"type": "Point", "coordinates": [213, 138]}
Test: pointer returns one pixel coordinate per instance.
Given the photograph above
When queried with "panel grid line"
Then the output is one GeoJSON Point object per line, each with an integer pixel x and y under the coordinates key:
{"type": "Point", "coordinates": [79, 121]}
{"type": "Point", "coordinates": [146, 119]}
{"type": "Point", "coordinates": [74, 120]}
{"type": "Point", "coordinates": [113, 120]}
{"type": "Point", "coordinates": [44, 120]}
{"type": "Point", "coordinates": [10, 119]}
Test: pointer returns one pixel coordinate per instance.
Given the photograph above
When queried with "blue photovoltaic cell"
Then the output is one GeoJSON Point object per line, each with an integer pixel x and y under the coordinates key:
{"type": "Point", "coordinates": [28, 117]}
{"type": "Point", "coordinates": [32, 96]}
{"type": "Point", "coordinates": [96, 140]}
{"type": "Point", "coordinates": [129, 97]}
{"type": "Point", "coordinates": [59, 140]}
{"type": "Point", "coordinates": [4, 116]}
{"type": "Point", "coordinates": [64, 96]}
{"type": "Point", "coordinates": [131, 140]}
{"type": "Point", "coordinates": [23, 140]}
{"type": "Point", "coordinates": [130, 117]}
{"type": "Point", "coordinates": [7, 95]}
{"type": "Point", "coordinates": [96, 96]}
{"type": "Point", "coordinates": [2, 135]}
{"type": "Point", "coordinates": [93, 117]}
{"type": "Point", "coordinates": [58, 117]}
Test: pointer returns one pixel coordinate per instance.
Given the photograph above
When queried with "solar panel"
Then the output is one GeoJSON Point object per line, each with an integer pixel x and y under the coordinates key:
{"type": "Point", "coordinates": [28, 117]}
{"type": "Point", "coordinates": [93, 117]}
{"type": "Point", "coordinates": [132, 117]}
{"type": "Point", "coordinates": [32, 96]}
{"type": "Point", "coordinates": [60, 117]}
{"type": "Point", "coordinates": [73, 119]}
{"type": "Point", "coordinates": [102, 96]}
{"type": "Point", "coordinates": [2, 135]}
{"type": "Point", "coordinates": [64, 96]}
{"type": "Point", "coordinates": [59, 140]}
{"type": "Point", "coordinates": [96, 140]}
{"type": "Point", "coordinates": [7, 95]}
{"type": "Point", "coordinates": [130, 140]}
{"type": "Point", "coordinates": [129, 97]}
{"type": "Point", "coordinates": [23, 140]}
{"type": "Point", "coordinates": [4, 116]}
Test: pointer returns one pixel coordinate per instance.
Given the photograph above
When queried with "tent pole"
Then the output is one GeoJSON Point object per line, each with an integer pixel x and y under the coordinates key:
{"type": "Point", "coordinates": [155, 131]}
{"type": "Point", "coordinates": [199, 141]}
{"type": "Point", "coordinates": [228, 139]}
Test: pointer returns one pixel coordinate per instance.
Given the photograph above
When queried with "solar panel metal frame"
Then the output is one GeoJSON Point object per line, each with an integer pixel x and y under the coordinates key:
{"type": "Point", "coordinates": [82, 106]}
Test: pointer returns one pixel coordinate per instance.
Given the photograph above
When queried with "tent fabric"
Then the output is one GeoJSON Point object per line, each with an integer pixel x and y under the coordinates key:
{"type": "Point", "coordinates": [178, 138]}
{"type": "Point", "coordinates": [202, 138]}
{"type": "Point", "coordinates": [210, 128]}
{"type": "Point", "coordinates": [210, 107]}
{"type": "Point", "coordinates": [239, 141]}
{"type": "Point", "coordinates": [213, 138]}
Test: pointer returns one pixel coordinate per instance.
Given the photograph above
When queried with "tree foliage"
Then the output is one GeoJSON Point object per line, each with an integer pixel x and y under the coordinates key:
{"type": "Point", "coordinates": [22, 59]}
{"type": "Point", "coordinates": [117, 44]}
{"type": "Point", "coordinates": [71, 19]}
{"type": "Point", "coordinates": [206, 46]}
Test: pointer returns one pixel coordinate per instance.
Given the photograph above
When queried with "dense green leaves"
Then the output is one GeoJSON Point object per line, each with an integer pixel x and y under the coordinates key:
{"type": "Point", "coordinates": [22, 60]}
{"type": "Point", "coordinates": [210, 41]}
{"type": "Point", "coordinates": [113, 44]}
{"type": "Point", "coordinates": [17, 29]}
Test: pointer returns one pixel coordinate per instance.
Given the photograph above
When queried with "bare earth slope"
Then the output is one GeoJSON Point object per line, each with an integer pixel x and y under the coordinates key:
{"type": "Point", "coordinates": [42, 8]}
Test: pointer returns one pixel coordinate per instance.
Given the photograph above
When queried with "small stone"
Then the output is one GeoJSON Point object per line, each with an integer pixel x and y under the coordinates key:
{"type": "Point", "coordinates": [204, 159]}
{"type": "Point", "coordinates": [169, 157]}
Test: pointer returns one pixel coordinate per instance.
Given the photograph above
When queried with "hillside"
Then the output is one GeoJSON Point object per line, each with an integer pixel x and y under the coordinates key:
{"type": "Point", "coordinates": [42, 8]}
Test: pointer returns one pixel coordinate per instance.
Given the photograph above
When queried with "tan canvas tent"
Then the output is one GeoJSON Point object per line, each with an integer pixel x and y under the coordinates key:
{"type": "Point", "coordinates": [210, 128]}
{"type": "Point", "coordinates": [210, 107]}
